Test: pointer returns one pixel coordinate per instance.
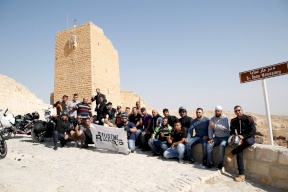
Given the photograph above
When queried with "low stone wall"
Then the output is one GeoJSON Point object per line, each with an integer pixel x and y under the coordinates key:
{"type": "Point", "coordinates": [264, 163]}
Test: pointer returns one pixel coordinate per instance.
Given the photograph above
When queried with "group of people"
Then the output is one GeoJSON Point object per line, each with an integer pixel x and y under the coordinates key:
{"type": "Point", "coordinates": [167, 135]}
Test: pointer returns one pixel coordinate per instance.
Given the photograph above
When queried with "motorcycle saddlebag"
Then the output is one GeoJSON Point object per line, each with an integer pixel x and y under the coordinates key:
{"type": "Point", "coordinates": [40, 126]}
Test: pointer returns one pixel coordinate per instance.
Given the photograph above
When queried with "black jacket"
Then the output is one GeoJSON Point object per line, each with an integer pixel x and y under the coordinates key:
{"type": "Point", "coordinates": [61, 125]}
{"type": "Point", "coordinates": [96, 98]}
{"type": "Point", "coordinates": [172, 120]}
{"type": "Point", "coordinates": [185, 122]}
{"type": "Point", "coordinates": [244, 126]}
{"type": "Point", "coordinates": [101, 110]}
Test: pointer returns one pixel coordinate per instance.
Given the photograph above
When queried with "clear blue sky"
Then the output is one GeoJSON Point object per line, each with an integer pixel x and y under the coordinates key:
{"type": "Point", "coordinates": [172, 53]}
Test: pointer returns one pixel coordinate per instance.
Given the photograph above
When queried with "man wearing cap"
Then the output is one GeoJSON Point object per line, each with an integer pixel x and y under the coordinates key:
{"type": "Point", "coordinates": [219, 127]}
{"type": "Point", "coordinates": [118, 114]}
{"type": "Point", "coordinates": [200, 125]}
{"type": "Point", "coordinates": [185, 120]}
{"type": "Point", "coordinates": [62, 129]}
{"type": "Point", "coordinates": [146, 133]}
{"type": "Point", "coordinates": [171, 119]}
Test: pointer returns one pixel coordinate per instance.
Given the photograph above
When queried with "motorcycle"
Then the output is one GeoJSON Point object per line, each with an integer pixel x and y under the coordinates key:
{"type": "Point", "coordinates": [3, 145]}
{"type": "Point", "coordinates": [24, 123]}
{"type": "Point", "coordinates": [43, 129]}
{"type": "Point", "coordinates": [7, 124]}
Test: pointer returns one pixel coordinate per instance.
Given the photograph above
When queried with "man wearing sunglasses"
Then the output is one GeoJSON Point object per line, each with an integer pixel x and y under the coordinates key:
{"type": "Point", "coordinates": [246, 129]}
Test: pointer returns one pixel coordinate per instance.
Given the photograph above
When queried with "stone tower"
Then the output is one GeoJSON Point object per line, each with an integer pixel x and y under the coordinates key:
{"type": "Point", "coordinates": [85, 59]}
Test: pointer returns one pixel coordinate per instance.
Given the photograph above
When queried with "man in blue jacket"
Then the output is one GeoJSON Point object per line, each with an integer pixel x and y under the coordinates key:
{"type": "Point", "coordinates": [200, 125]}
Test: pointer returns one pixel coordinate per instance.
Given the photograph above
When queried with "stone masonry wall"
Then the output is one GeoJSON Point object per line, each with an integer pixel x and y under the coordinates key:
{"type": "Point", "coordinates": [73, 69]}
{"type": "Point", "coordinates": [105, 66]}
{"type": "Point", "coordinates": [93, 63]}
{"type": "Point", "coordinates": [264, 163]}
{"type": "Point", "coordinates": [18, 98]}
{"type": "Point", "coordinates": [129, 99]}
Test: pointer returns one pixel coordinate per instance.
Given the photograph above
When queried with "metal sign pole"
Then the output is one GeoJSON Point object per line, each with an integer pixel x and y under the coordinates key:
{"type": "Point", "coordinates": [267, 112]}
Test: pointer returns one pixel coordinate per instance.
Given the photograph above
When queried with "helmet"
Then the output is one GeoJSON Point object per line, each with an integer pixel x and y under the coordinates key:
{"type": "Point", "coordinates": [124, 115]}
{"type": "Point", "coordinates": [64, 112]}
{"type": "Point", "coordinates": [182, 109]}
{"type": "Point", "coordinates": [35, 115]}
{"type": "Point", "coordinates": [234, 141]}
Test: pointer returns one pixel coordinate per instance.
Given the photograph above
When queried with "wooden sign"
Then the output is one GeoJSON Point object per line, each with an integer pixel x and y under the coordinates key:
{"type": "Point", "coordinates": [264, 72]}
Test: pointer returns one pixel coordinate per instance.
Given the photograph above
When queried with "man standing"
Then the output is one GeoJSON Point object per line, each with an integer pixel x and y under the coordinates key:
{"type": "Point", "coordinates": [158, 140]}
{"type": "Point", "coordinates": [84, 109]}
{"type": "Point", "coordinates": [60, 106]}
{"type": "Point", "coordinates": [200, 125]}
{"type": "Point", "coordinates": [219, 127]}
{"type": "Point", "coordinates": [101, 110]}
{"type": "Point", "coordinates": [146, 133]}
{"type": "Point", "coordinates": [97, 96]}
{"type": "Point", "coordinates": [138, 107]}
{"type": "Point", "coordinates": [62, 129]}
{"type": "Point", "coordinates": [72, 111]}
{"type": "Point", "coordinates": [176, 139]}
{"type": "Point", "coordinates": [171, 119]}
{"type": "Point", "coordinates": [246, 130]}
{"type": "Point", "coordinates": [111, 112]}
{"type": "Point", "coordinates": [185, 120]}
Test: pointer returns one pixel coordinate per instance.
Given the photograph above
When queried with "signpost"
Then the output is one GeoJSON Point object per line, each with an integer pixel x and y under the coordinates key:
{"type": "Point", "coordinates": [262, 74]}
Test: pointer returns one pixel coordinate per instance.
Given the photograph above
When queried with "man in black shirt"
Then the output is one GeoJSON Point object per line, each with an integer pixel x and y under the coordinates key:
{"type": "Point", "coordinates": [101, 109]}
{"type": "Point", "coordinates": [185, 120]}
{"type": "Point", "coordinates": [60, 106]}
{"type": "Point", "coordinates": [171, 119]}
{"type": "Point", "coordinates": [97, 96]}
{"type": "Point", "coordinates": [246, 130]}
{"type": "Point", "coordinates": [136, 118]}
{"type": "Point", "coordinates": [111, 112]}
{"type": "Point", "coordinates": [176, 139]}
{"type": "Point", "coordinates": [62, 129]}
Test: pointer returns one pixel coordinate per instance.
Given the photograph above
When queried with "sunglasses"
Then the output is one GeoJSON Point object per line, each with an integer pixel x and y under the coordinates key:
{"type": "Point", "coordinates": [237, 110]}
{"type": "Point", "coordinates": [79, 118]}
{"type": "Point", "coordinates": [124, 118]}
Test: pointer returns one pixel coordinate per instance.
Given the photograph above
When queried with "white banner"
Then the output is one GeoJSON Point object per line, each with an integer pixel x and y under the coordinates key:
{"type": "Point", "coordinates": [110, 138]}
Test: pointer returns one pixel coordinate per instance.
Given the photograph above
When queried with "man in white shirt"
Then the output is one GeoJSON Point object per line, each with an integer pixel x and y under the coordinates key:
{"type": "Point", "coordinates": [71, 106]}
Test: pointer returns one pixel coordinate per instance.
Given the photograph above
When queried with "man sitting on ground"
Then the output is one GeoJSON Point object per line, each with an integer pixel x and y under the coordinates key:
{"type": "Point", "coordinates": [176, 139]}
{"type": "Point", "coordinates": [84, 134]}
{"type": "Point", "coordinates": [158, 141]}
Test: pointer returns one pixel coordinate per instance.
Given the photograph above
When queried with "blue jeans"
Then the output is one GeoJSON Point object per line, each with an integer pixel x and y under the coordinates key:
{"type": "Point", "coordinates": [138, 136]}
{"type": "Point", "coordinates": [131, 144]}
{"type": "Point", "coordinates": [222, 141]}
{"type": "Point", "coordinates": [158, 146]}
{"type": "Point", "coordinates": [193, 141]}
{"type": "Point", "coordinates": [177, 151]}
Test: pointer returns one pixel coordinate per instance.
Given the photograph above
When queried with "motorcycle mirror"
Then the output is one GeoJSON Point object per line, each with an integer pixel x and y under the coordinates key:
{"type": "Point", "coordinates": [6, 110]}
